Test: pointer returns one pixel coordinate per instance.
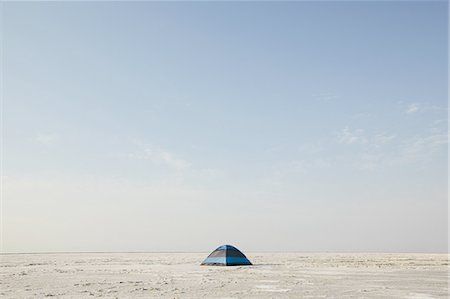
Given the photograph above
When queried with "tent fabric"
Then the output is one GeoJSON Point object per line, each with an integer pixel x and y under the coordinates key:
{"type": "Point", "coordinates": [226, 255]}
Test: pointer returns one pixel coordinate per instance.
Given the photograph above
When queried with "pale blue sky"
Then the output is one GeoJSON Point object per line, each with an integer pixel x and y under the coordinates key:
{"type": "Point", "coordinates": [184, 126]}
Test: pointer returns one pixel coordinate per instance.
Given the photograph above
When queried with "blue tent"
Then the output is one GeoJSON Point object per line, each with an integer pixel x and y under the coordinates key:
{"type": "Point", "coordinates": [226, 255]}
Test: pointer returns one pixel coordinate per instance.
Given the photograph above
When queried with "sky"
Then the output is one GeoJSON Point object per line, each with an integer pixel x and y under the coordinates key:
{"type": "Point", "coordinates": [182, 126]}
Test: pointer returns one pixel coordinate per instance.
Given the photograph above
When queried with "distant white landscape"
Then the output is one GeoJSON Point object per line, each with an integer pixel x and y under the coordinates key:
{"type": "Point", "coordinates": [179, 275]}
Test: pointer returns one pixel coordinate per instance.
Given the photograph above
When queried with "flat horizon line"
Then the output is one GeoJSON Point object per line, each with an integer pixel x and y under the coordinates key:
{"type": "Point", "coordinates": [262, 251]}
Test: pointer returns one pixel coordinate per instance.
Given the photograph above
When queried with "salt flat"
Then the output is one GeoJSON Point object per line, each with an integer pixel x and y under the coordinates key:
{"type": "Point", "coordinates": [179, 275]}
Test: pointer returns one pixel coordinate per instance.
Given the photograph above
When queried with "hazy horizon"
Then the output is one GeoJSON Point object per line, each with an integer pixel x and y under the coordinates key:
{"type": "Point", "coordinates": [182, 126]}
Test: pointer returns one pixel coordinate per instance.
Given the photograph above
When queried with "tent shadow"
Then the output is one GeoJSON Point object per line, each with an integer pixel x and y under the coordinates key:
{"type": "Point", "coordinates": [262, 265]}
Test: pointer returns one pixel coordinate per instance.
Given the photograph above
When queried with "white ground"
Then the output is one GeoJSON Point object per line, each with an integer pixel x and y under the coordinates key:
{"type": "Point", "coordinates": [178, 275]}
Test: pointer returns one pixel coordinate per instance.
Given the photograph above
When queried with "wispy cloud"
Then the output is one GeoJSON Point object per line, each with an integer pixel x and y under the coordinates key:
{"type": "Point", "coordinates": [405, 151]}
{"type": "Point", "coordinates": [375, 152]}
{"type": "Point", "coordinates": [382, 138]}
{"type": "Point", "coordinates": [359, 136]}
{"type": "Point", "coordinates": [412, 108]}
{"type": "Point", "coordinates": [348, 136]}
{"type": "Point", "coordinates": [383, 148]}
{"type": "Point", "coordinates": [372, 150]}
{"type": "Point", "coordinates": [424, 107]}
{"type": "Point", "coordinates": [160, 156]}
{"type": "Point", "coordinates": [423, 146]}
{"type": "Point", "coordinates": [325, 96]}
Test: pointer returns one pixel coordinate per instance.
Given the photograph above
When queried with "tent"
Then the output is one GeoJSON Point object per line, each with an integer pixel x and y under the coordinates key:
{"type": "Point", "coordinates": [226, 255]}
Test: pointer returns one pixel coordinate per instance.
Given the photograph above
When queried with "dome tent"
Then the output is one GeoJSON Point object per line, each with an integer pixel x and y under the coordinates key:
{"type": "Point", "coordinates": [226, 255]}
